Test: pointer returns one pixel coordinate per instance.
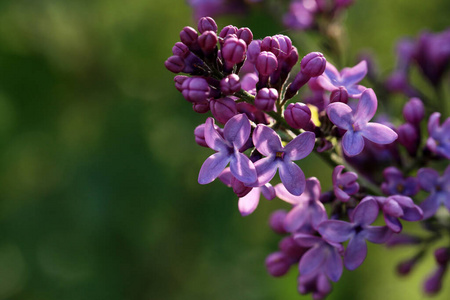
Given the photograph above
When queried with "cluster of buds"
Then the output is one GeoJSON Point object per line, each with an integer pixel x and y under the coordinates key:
{"type": "Point", "coordinates": [247, 86]}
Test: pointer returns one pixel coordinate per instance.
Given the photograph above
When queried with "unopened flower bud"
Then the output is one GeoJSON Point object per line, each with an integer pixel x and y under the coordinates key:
{"type": "Point", "coordinates": [339, 95]}
{"type": "Point", "coordinates": [276, 221]}
{"type": "Point", "coordinates": [265, 99]}
{"type": "Point", "coordinates": [408, 136]}
{"type": "Point", "coordinates": [189, 36]}
{"type": "Point", "coordinates": [223, 109]}
{"type": "Point", "coordinates": [266, 63]}
{"type": "Point", "coordinates": [180, 49]}
{"type": "Point", "coordinates": [207, 24]}
{"type": "Point", "coordinates": [208, 41]}
{"type": "Point", "coordinates": [433, 283]}
{"type": "Point", "coordinates": [254, 48]}
{"type": "Point", "coordinates": [227, 30]}
{"type": "Point", "coordinates": [239, 188]}
{"type": "Point", "coordinates": [291, 248]}
{"type": "Point", "coordinates": [297, 115]}
{"type": "Point", "coordinates": [313, 64]}
{"type": "Point", "coordinates": [245, 34]}
{"type": "Point", "coordinates": [175, 64]}
{"type": "Point", "coordinates": [442, 256]}
{"type": "Point", "coordinates": [277, 264]}
{"type": "Point", "coordinates": [233, 52]}
{"type": "Point", "coordinates": [200, 108]}
{"type": "Point", "coordinates": [414, 111]}
{"type": "Point", "coordinates": [195, 89]}
{"type": "Point", "coordinates": [285, 46]}
{"type": "Point", "coordinates": [405, 267]}
{"type": "Point", "coordinates": [270, 44]}
{"type": "Point", "coordinates": [179, 79]}
{"type": "Point", "coordinates": [230, 84]}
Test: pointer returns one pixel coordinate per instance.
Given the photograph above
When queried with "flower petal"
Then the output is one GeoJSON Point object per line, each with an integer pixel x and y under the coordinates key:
{"type": "Point", "coordinates": [379, 133]}
{"type": "Point", "coordinates": [356, 253]}
{"type": "Point", "coordinates": [242, 168]}
{"type": "Point", "coordinates": [301, 146]}
{"type": "Point", "coordinates": [212, 138]}
{"type": "Point", "coordinates": [312, 259]}
{"type": "Point", "coordinates": [367, 107]}
{"type": "Point", "coordinates": [351, 76]}
{"type": "Point", "coordinates": [377, 234]}
{"type": "Point", "coordinates": [430, 205]}
{"type": "Point", "coordinates": [352, 143]}
{"type": "Point", "coordinates": [249, 202]}
{"type": "Point", "coordinates": [317, 213]}
{"type": "Point", "coordinates": [266, 140]}
{"type": "Point", "coordinates": [393, 223]}
{"type": "Point", "coordinates": [433, 123]}
{"type": "Point", "coordinates": [428, 178]}
{"type": "Point", "coordinates": [284, 195]}
{"type": "Point", "coordinates": [296, 217]}
{"type": "Point", "coordinates": [237, 130]}
{"type": "Point", "coordinates": [340, 114]}
{"type": "Point", "coordinates": [266, 169]}
{"type": "Point", "coordinates": [333, 265]}
{"type": "Point", "coordinates": [212, 167]}
{"type": "Point", "coordinates": [366, 212]}
{"type": "Point", "coordinates": [336, 231]}
{"type": "Point", "coordinates": [268, 191]}
{"type": "Point", "coordinates": [292, 177]}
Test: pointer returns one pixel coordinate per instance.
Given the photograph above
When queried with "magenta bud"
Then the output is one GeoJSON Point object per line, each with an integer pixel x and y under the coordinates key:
{"type": "Point", "coordinates": [414, 111]}
{"type": "Point", "coordinates": [227, 30]}
{"type": "Point", "coordinates": [313, 64]}
{"type": "Point", "coordinates": [254, 48]}
{"type": "Point", "coordinates": [285, 46]}
{"type": "Point", "coordinates": [433, 283]}
{"type": "Point", "coordinates": [297, 115]}
{"type": "Point", "coordinates": [230, 84]}
{"type": "Point", "coordinates": [195, 89]}
{"type": "Point", "coordinates": [208, 41]}
{"type": "Point", "coordinates": [175, 64]}
{"type": "Point", "coordinates": [292, 59]}
{"type": "Point", "coordinates": [233, 51]}
{"type": "Point", "coordinates": [188, 36]}
{"type": "Point", "coordinates": [201, 108]}
{"type": "Point", "coordinates": [245, 34]}
{"type": "Point", "coordinates": [223, 109]}
{"type": "Point", "coordinates": [239, 188]}
{"type": "Point", "coordinates": [278, 264]}
{"type": "Point", "coordinates": [405, 267]}
{"type": "Point", "coordinates": [266, 63]}
{"type": "Point", "coordinates": [181, 50]}
{"type": "Point", "coordinates": [276, 221]}
{"type": "Point", "coordinates": [339, 95]}
{"type": "Point", "coordinates": [270, 44]}
{"type": "Point", "coordinates": [199, 133]}
{"type": "Point", "coordinates": [179, 79]}
{"type": "Point", "coordinates": [408, 136]}
{"type": "Point", "coordinates": [291, 248]}
{"type": "Point", "coordinates": [265, 99]}
{"type": "Point", "coordinates": [442, 256]}
{"type": "Point", "coordinates": [207, 24]}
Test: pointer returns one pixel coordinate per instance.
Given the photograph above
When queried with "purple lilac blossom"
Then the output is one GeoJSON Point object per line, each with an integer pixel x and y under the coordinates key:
{"type": "Point", "coordinates": [344, 185]}
{"type": "Point", "coordinates": [357, 231]}
{"type": "Point", "coordinates": [235, 134]}
{"type": "Point", "coordinates": [396, 184]}
{"type": "Point", "coordinates": [307, 212]}
{"type": "Point", "coordinates": [438, 189]}
{"type": "Point", "coordinates": [348, 78]}
{"type": "Point", "coordinates": [357, 124]}
{"type": "Point", "coordinates": [439, 140]}
{"type": "Point", "coordinates": [268, 143]}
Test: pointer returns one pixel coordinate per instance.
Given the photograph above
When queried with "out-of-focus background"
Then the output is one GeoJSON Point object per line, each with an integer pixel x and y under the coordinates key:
{"type": "Point", "coordinates": [98, 166]}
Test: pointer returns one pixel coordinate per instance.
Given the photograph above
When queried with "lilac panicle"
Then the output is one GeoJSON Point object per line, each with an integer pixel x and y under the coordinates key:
{"type": "Point", "coordinates": [268, 143]}
{"type": "Point", "coordinates": [439, 140]}
{"type": "Point", "coordinates": [357, 124]}
{"type": "Point", "coordinates": [438, 189]}
{"type": "Point", "coordinates": [235, 134]}
{"type": "Point", "coordinates": [344, 184]}
{"type": "Point", "coordinates": [396, 184]}
{"type": "Point", "coordinates": [348, 78]}
{"type": "Point", "coordinates": [357, 231]}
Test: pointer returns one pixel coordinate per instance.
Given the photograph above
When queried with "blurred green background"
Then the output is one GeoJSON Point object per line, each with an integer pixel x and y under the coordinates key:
{"type": "Point", "coordinates": [98, 165]}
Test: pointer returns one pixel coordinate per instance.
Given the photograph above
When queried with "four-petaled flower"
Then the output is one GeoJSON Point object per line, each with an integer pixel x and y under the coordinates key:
{"type": "Point", "coordinates": [345, 184]}
{"type": "Point", "coordinates": [268, 143]}
{"type": "Point", "coordinates": [438, 187]}
{"type": "Point", "coordinates": [439, 140]}
{"type": "Point", "coordinates": [357, 124]}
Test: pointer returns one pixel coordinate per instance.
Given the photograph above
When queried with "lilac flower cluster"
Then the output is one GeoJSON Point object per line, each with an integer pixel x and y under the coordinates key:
{"type": "Point", "coordinates": [250, 86]}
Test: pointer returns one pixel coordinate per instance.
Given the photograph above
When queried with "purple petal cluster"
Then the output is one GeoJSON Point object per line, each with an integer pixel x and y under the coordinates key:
{"type": "Point", "coordinates": [438, 188]}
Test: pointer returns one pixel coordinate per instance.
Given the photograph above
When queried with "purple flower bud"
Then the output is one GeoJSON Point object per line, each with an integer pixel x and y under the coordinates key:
{"type": "Point", "coordinates": [175, 64]}
{"type": "Point", "coordinates": [266, 63]}
{"type": "Point", "coordinates": [208, 41]}
{"type": "Point", "coordinates": [442, 255]}
{"type": "Point", "coordinates": [339, 95]}
{"type": "Point", "coordinates": [433, 283]}
{"type": "Point", "coordinates": [292, 59]}
{"type": "Point", "coordinates": [313, 64]}
{"type": "Point", "coordinates": [285, 46]}
{"type": "Point", "coordinates": [278, 264]}
{"type": "Point", "coordinates": [179, 79]}
{"type": "Point", "coordinates": [270, 44]}
{"type": "Point", "coordinates": [265, 99]}
{"type": "Point", "coordinates": [414, 111]}
{"type": "Point", "coordinates": [227, 30]}
{"type": "Point", "coordinates": [195, 89]}
{"type": "Point", "coordinates": [199, 133]}
{"type": "Point", "coordinates": [189, 36]}
{"type": "Point", "coordinates": [405, 267]}
{"type": "Point", "coordinates": [403, 239]}
{"type": "Point", "coordinates": [180, 49]}
{"type": "Point", "coordinates": [291, 248]}
{"type": "Point", "coordinates": [297, 115]}
{"type": "Point", "coordinates": [245, 34]}
{"type": "Point", "coordinates": [230, 84]}
{"type": "Point", "coordinates": [223, 109]}
{"type": "Point", "coordinates": [276, 221]}
{"type": "Point", "coordinates": [239, 188]}
{"type": "Point", "coordinates": [207, 24]}
{"type": "Point", "coordinates": [408, 136]}
{"type": "Point", "coordinates": [200, 108]}
{"type": "Point", "coordinates": [233, 52]}
{"type": "Point", "coordinates": [254, 48]}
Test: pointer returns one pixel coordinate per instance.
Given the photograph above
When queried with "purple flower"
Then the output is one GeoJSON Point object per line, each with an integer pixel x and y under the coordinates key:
{"type": "Point", "coordinates": [438, 187]}
{"type": "Point", "coordinates": [268, 143]}
{"type": "Point", "coordinates": [315, 283]}
{"type": "Point", "coordinates": [345, 184]}
{"type": "Point", "coordinates": [357, 124]}
{"type": "Point", "coordinates": [348, 78]}
{"type": "Point", "coordinates": [357, 231]}
{"type": "Point", "coordinates": [398, 206]}
{"type": "Point", "coordinates": [308, 212]}
{"type": "Point", "coordinates": [396, 184]}
{"type": "Point", "coordinates": [235, 134]}
{"type": "Point", "coordinates": [439, 140]}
